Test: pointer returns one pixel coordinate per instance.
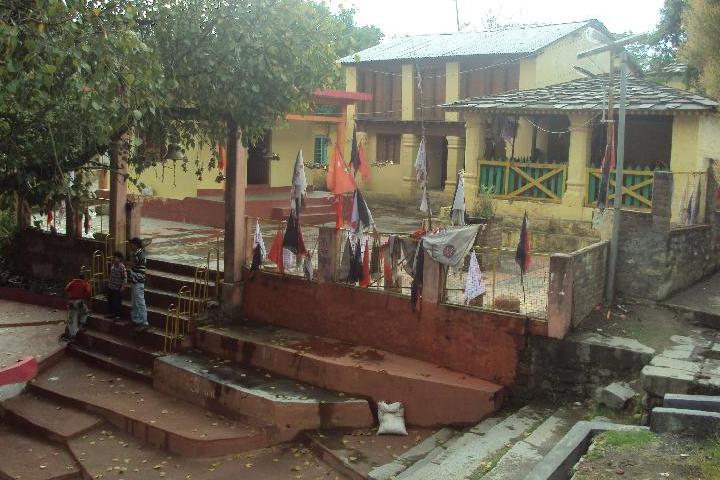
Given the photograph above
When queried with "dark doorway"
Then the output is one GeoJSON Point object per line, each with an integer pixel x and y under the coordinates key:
{"type": "Point", "coordinates": [259, 155]}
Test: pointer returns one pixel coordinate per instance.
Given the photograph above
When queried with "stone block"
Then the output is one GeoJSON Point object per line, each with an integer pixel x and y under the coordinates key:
{"type": "Point", "coordinates": [662, 380]}
{"type": "Point", "coordinates": [707, 403]}
{"type": "Point", "coordinates": [687, 422]}
{"type": "Point", "coordinates": [675, 364]}
{"type": "Point", "coordinates": [616, 395]}
{"type": "Point", "coordinates": [706, 386]}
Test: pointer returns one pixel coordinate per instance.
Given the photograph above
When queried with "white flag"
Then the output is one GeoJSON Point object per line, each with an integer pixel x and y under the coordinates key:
{"type": "Point", "coordinates": [258, 240]}
{"type": "Point", "coordinates": [457, 216]}
{"type": "Point", "coordinates": [299, 184]}
{"type": "Point", "coordinates": [474, 285]}
{"type": "Point", "coordinates": [288, 259]}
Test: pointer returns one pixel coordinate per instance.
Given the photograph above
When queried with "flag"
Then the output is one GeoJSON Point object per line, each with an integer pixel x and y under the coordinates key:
{"type": "Point", "coordinates": [608, 164]}
{"type": "Point", "coordinates": [298, 190]}
{"type": "Point", "coordinates": [457, 215]}
{"type": "Point", "coordinates": [259, 251]}
{"type": "Point", "coordinates": [339, 180]}
{"type": "Point", "coordinates": [338, 206]}
{"type": "Point", "coordinates": [291, 240]}
{"type": "Point", "coordinates": [421, 176]}
{"type": "Point", "coordinates": [355, 153]}
{"type": "Point", "coordinates": [364, 166]}
{"type": "Point", "coordinates": [361, 216]}
{"type": "Point", "coordinates": [49, 216]}
{"type": "Point", "coordinates": [474, 285]}
{"type": "Point", "coordinates": [276, 251]}
{"type": "Point", "coordinates": [365, 277]}
{"type": "Point", "coordinates": [523, 256]}
{"type": "Point", "coordinates": [222, 157]}
{"type": "Point", "coordinates": [417, 275]}
{"type": "Point", "coordinates": [308, 268]}
{"type": "Point", "coordinates": [375, 271]}
{"type": "Point", "coordinates": [345, 260]}
{"type": "Point", "coordinates": [355, 271]}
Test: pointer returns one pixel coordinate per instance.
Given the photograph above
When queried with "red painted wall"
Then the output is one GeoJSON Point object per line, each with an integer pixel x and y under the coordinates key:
{"type": "Point", "coordinates": [481, 344]}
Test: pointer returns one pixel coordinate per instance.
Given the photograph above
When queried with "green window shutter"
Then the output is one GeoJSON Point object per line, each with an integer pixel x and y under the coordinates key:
{"type": "Point", "coordinates": [320, 156]}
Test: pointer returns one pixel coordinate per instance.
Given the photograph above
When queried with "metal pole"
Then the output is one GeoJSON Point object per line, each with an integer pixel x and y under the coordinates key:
{"type": "Point", "coordinates": [610, 283]}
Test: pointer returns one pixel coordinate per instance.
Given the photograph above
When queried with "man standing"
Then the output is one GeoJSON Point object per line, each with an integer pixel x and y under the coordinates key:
{"type": "Point", "coordinates": [138, 314]}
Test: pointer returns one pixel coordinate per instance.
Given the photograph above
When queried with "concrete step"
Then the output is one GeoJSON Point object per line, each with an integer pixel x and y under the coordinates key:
{"type": "Point", "coordinates": [153, 338]}
{"type": "Point", "coordinates": [55, 422]}
{"type": "Point", "coordinates": [110, 363]}
{"type": "Point", "coordinates": [432, 395]}
{"type": "Point", "coordinates": [466, 455]}
{"type": "Point", "coordinates": [156, 316]}
{"type": "Point", "coordinates": [258, 397]}
{"type": "Point", "coordinates": [522, 458]}
{"type": "Point", "coordinates": [116, 347]}
{"type": "Point", "coordinates": [154, 417]}
{"type": "Point", "coordinates": [28, 458]}
{"type": "Point", "coordinates": [161, 266]}
{"type": "Point", "coordinates": [172, 282]}
{"type": "Point", "coordinates": [309, 216]}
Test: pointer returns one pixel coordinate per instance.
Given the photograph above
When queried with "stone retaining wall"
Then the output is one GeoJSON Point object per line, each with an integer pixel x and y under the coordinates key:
{"type": "Point", "coordinates": [589, 266]}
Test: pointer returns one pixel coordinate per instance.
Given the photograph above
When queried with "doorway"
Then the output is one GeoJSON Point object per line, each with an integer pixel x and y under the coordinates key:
{"type": "Point", "coordinates": [258, 165]}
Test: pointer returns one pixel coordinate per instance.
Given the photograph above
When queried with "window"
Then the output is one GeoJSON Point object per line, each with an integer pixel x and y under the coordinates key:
{"type": "Point", "coordinates": [321, 150]}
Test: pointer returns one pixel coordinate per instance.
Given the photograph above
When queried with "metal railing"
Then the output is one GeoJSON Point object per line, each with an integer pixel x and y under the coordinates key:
{"type": "Point", "coordinates": [506, 289]}
{"type": "Point", "coordinates": [523, 179]}
{"type": "Point", "coordinates": [636, 190]}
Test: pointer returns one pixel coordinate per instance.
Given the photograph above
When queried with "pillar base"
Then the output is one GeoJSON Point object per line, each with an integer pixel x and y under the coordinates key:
{"type": "Point", "coordinates": [232, 296]}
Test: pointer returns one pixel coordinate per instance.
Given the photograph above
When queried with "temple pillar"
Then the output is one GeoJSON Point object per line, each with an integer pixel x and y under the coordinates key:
{"type": "Point", "coordinates": [409, 144]}
{"type": "Point", "coordinates": [345, 138]}
{"type": "Point", "coordinates": [578, 161]}
{"type": "Point", "coordinates": [455, 161]}
{"type": "Point", "coordinates": [452, 89]}
{"type": "Point", "coordinates": [118, 193]}
{"type": "Point", "coordinates": [234, 250]}
{"type": "Point", "coordinates": [474, 152]}
{"type": "Point", "coordinates": [408, 93]}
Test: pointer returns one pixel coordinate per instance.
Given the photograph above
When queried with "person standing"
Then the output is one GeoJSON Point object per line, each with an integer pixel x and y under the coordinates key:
{"type": "Point", "coordinates": [138, 313]}
{"type": "Point", "coordinates": [116, 285]}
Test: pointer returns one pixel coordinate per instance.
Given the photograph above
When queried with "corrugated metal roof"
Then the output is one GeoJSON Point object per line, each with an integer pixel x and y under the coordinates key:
{"type": "Point", "coordinates": [523, 39]}
{"type": "Point", "coordinates": [590, 94]}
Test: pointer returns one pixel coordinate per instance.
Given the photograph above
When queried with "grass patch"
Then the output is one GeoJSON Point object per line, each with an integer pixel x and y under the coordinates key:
{"type": "Point", "coordinates": [489, 463]}
{"type": "Point", "coordinates": [620, 440]}
{"type": "Point", "coordinates": [707, 459]}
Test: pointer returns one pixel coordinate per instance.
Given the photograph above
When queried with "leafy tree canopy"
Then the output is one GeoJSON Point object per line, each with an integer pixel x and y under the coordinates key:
{"type": "Point", "coordinates": [702, 49]}
{"type": "Point", "coordinates": [76, 74]}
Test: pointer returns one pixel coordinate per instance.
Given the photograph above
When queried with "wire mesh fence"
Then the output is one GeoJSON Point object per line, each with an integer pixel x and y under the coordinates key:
{"type": "Point", "coordinates": [505, 288]}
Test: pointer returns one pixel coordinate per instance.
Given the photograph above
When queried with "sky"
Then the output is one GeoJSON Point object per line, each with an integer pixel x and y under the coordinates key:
{"type": "Point", "coordinates": [407, 17]}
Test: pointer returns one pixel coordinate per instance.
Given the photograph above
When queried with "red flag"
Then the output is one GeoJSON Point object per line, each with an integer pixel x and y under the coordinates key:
{"type": "Point", "coordinates": [276, 251]}
{"type": "Point", "coordinates": [49, 217]}
{"type": "Point", "coordinates": [222, 157]}
{"type": "Point", "coordinates": [365, 277]}
{"type": "Point", "coordinates": [338, 206]}
{"type": "Point", "coordinates": [339, 180]}
{"type": "Point", "coordinates": [364, 167]}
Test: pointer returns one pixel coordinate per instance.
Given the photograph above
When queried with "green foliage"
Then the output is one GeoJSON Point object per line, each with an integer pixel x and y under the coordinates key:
{"type": "Point", "coordinates": [702, 49]}
{"type": "Point", "coordinates": [619, 440]}
{"type": "Point", "coordinates": [485, 204]}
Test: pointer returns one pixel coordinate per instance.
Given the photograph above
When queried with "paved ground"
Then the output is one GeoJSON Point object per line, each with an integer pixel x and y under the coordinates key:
{"type": "Point", "coordinates": [28, 330]}
{"type": "Point", "coordinates": [702, 297]}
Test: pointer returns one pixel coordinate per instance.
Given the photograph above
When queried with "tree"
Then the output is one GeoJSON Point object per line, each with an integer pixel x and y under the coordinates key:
{"type": "Point", "coordinates": [73, 75]}
{"type": "Point", "coordinates": [702, 49]}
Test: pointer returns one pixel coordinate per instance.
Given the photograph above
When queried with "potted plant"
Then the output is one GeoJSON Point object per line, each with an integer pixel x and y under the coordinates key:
{"type": "Point", "coordinates": [484, 208]}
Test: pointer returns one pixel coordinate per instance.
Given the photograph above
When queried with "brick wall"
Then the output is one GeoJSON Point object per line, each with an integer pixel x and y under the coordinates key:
{"type": "Point", "coordinates": [588, 279]}
{"type": "Point", "coordinates": [479, 343]}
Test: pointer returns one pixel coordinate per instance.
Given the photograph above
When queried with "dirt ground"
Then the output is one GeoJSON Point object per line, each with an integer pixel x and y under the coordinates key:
{"type": "Point", "coordinates": [646, 456]}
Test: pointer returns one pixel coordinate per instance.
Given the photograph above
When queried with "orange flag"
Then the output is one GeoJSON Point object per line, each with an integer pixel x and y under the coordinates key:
{"type": "Point", "coordinates": [365, 277]}
{"type": "Point", "coordinates": [222, 157]}
{"type": "Point", "coordinates": [276, 252]}
{"type": "Point", "coordinates": [339, 180]}
{"type": "Point", "coordinates": [364, 167]}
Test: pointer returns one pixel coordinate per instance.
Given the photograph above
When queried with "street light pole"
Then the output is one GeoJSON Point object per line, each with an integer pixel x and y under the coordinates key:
{"type": "Point", "coordinates": [610, 280]}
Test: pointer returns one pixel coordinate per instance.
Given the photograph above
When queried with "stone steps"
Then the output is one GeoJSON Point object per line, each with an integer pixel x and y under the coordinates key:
{"type": "Point", "coordinates": [117, 347]}
{"type": "Point", "coordinates": [258, 397]}
{"type": "Point", "coordinates": [432, 395]}
{"type": "Point", "coordinates": [473, 453]}
{"type": "Point", "coordinates": [48, 419]}
{"type": "Point", "coordinates": [28, 458]}
{"type": "Point", "coordinates": [153, 338]}
{"type": "Point", "coordinates": [154, 417]}
{"type": "Point", "coordinates": [103, 360]}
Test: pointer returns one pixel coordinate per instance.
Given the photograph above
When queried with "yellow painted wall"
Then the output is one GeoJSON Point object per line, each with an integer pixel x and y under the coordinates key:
{"type": "Point", "coordinates": [287, 139]}
{"type": "Point", "coordinates": [177, 183]}
{"type": "Point", "coordinates": [386, 179]}
{"type": "Point", "coordinates": [555, 63]}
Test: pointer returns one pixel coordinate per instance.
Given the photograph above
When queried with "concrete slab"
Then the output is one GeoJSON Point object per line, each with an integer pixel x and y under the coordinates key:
{"type": "Point", "coordinates": [702, 298]}
{"type": "Point", "coordinates": [463, 459]}
{"type": "Point", "coordinates": [616, 395]}
{"type": "Point", "coordinates": [29, 330]}
{"type": "Point", "coordinates": [288, 405]}
{"type": "Point", "coordinates": [707, 403]}
{"type": "Point", "coordinates": [13, 314]}
{"type": "Point", "coordinates": [686, 422]}
{"type": "Point", "coordinates": [28, 458]}
{"type": "Point", "coordinates": [615, 342]}
{"type": "Point", "coordinates": [418, 452]}
{"type": "Point", "coordinates": [159, 419]}
{"type": "Point", "coordinates": [52, 420]}
{"type": "Point", "coordinates": [661, 380]}
{"type": "Point", "coordinates": [685, 340]}
{"type": "Point", "coordinates": [675, 364]}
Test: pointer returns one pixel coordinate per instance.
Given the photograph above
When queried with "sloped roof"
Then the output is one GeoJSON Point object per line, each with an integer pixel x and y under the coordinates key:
{"type": "Point", "coordinates": [522, 39]}
{"type": "Point", "coordinates": [590, 94]}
